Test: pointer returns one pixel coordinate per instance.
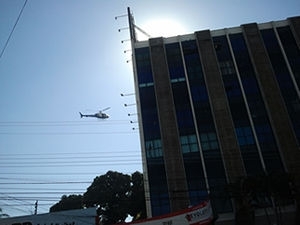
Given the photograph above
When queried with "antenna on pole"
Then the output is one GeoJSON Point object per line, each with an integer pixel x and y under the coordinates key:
{"type": "Point", "coordinates": [131, 25]}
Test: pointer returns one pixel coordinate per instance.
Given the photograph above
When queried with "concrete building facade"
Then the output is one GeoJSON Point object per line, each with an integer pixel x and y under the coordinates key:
{"type": "Point", "coordinates": [215, 106]}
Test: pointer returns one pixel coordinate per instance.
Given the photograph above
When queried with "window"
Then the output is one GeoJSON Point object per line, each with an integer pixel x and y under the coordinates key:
{"type": "Point", "coordinates": [209, 141]}
{"type": "Point", "coordinates": [291, 49]}
{"type": "Point", "coordinates": [143, 66]}
{"type": "Point", "coordinates": [244, 136]}
{"type": "Point", "coordinates": [282, 73]}
{"type": "Point", "coordinates": [175, 64]}
{"type": "Point", "coordinates": [227, 67]}
{"type": "Point", "coordinates": [153, 148]}
{"type": "Point", "coordinates": [189, 144]}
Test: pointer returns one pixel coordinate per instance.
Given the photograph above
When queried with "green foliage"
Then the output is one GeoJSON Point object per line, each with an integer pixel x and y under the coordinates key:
{"type": "Point", "coordinates": [137, 197]}
{"type": "Point", "coordinates": [111, 193]}
{"type": "Point", "coordinates": [117, 195]}
{"type": "Point", "coordinates": [67, 203]}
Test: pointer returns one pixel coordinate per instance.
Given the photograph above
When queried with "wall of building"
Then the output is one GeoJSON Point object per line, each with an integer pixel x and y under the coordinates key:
{"type": "Point", "coordinates": [215, 106]}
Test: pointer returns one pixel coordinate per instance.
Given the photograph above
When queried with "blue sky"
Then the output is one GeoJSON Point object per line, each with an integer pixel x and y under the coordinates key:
{"type": "Point", "coordinates": [66, 56]}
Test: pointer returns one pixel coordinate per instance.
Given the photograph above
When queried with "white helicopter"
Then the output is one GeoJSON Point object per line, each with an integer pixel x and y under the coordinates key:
{"type": "Point", "coordinates": [99, 114]}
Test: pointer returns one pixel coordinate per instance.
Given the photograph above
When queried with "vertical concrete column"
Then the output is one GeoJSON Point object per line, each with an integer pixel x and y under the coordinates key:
{"type": "Point", "coordinates": [224, 125]}
{"type": "Point", "coordinates": [175, 172]}
{"type": "Point", "coordinates": [295, 27]}
{"type": "Point", "coordinates": [277, 111]}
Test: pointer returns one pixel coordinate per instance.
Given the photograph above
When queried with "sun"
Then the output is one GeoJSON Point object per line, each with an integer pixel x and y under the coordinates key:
{"type": "Point", "coordinates": [163, 27]}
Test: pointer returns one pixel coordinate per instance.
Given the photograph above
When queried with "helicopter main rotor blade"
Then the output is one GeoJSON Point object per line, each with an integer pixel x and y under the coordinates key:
{"type": "Point", "coordinates": [105, 109]}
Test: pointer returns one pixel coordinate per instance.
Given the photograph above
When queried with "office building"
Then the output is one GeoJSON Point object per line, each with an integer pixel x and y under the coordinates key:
{"type": "Point", "coordinates": [216, 105]}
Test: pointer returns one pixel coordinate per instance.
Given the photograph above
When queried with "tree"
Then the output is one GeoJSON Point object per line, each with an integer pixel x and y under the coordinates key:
{"type": "Point", "coordinates": [137, 197]}
{"type": "Point", "coordinates": [111, 193]}
{"type": "Point", "coordinates": [117, 195]}
{"type": "Point", "coordinates": [67, 203]}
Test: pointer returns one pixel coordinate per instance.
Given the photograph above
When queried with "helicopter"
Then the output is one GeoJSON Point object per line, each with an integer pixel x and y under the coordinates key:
{"type": "Point", "coordinates": [99, 114]}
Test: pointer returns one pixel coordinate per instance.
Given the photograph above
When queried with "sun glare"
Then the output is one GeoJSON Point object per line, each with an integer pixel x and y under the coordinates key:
{"type": "Point", "coordinates": [163, 28]}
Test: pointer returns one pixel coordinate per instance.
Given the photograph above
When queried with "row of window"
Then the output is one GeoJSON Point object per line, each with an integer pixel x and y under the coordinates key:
{"type": "Point", "coordinates": [244, 108]}
{"type": "Point", "coordinates": [189, 143]}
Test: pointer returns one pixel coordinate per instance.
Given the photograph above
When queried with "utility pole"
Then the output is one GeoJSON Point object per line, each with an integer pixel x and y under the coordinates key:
{"type": "Point", "coordinates": [35, 207]}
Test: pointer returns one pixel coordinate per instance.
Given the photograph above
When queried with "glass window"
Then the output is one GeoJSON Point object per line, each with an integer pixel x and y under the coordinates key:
{"type": "Point", "coordinates": [158, 187]}
{"type": "Point", "coordinates": [205, 122]}
{"type": "Point", "coordinates": [227, 67]}
{"type": "Point", "coordinates": [244, 136]}
{"type": "Point", "coordinates": [189, 143]}
{"type": "Point", "coordinates": [192, 139]}
{"type": "Point", "coordinates": [257, 109]}
{"type": "Point", "coordinates": [150, 121]}
{"type": "Point", "coordinates": [291, 49]}
{"type": "Point", "coordinates": [282, 74]}
{"type": "Point", "coordinates": [175, 64]}
{"type": "Point", "coordinates": [209, 141]}
{"type": "Point", "coordinates": [184, 140]}
{"type": "Point", "coordinates": [143, 66]}
{"type": "Point", "coordinates": [153, 149]}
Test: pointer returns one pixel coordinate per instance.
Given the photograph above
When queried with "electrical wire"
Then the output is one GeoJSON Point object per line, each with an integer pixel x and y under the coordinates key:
{"type": "Point", "coordinates": [4, 125]}
{"type": "Point", "coordinates": [61, 123]}
{"type": "Point", "coordinates": [114, 151]}
{"type": "Point", "coordinates": [48, 174]}
{"type": "Point", "coordinates": [77, 165]}
{"type": "Point", "coordinates": [45, 188]}
{"type": "Point", "coordinates": [26, 204]}
{"type": "Point", "coordinates": [65, 162]}
{"type": "Point", "coordinates": [25, 188]}
{"type": "Point", "coordinates": [71, 159]}
{"type": "Point", "coordinates": [53, 182]}
{"type": "Point", "coordinates": [40, 192]}
{"type": "Point", "coordinates": [25, 200]}
{"type": "Point", "coordinates": [66, 133]}
{"type": "Point", "coordinates": [11, 32]}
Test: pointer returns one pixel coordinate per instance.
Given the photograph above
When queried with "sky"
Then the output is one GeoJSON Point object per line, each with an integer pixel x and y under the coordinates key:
{"type": "Point", "coordinates": [67, 56]}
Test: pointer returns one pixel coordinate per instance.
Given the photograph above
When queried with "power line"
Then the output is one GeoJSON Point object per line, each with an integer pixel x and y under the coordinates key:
{"type": "Point", "coordinates": [10, 198]}
{"type": "Point", "coordinates": [65, 133]}
{"type": "Point", "coordinates": [65, 124]}
{"type": "Point", "coordinates": [77, 165]}
{"type": "Point", "coordinates": [11, 32]}
{"type": "Point", "coordinates": [64, 153]}
{"type": "Point", "coordinates": [61, 123]}
{"type": "Point", "coordinates": [14, 160]}
{"type": "Point", "coordinates": [40, 192]}
{"type": "Point", "coordinates": [68, 164]}
{"type": "Point", "coordinates": [52, 182]}
{"type": "Point", "coordinates": [48, 199]}
{"type": "Point", "coordinates": [46, 189]}
{"type": "Point", "coordinates": [67, 157]}
{"type": "Point", "coordinates": [48, 174]}
{"type": "Point", "coordinates": [101, 158]}
{"type": "Point", "coordinates": [18, 209]}
{"type": "Point", "coordinates": [27, 204]}
{"type": "Point", "coordinates": [66, 160]}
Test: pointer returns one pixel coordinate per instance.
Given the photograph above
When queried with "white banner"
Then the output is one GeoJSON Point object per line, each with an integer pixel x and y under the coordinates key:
{"type": "Point", "coordinates": [68, 217]}
{"type": "Point", "coordinates": [198, 215]}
